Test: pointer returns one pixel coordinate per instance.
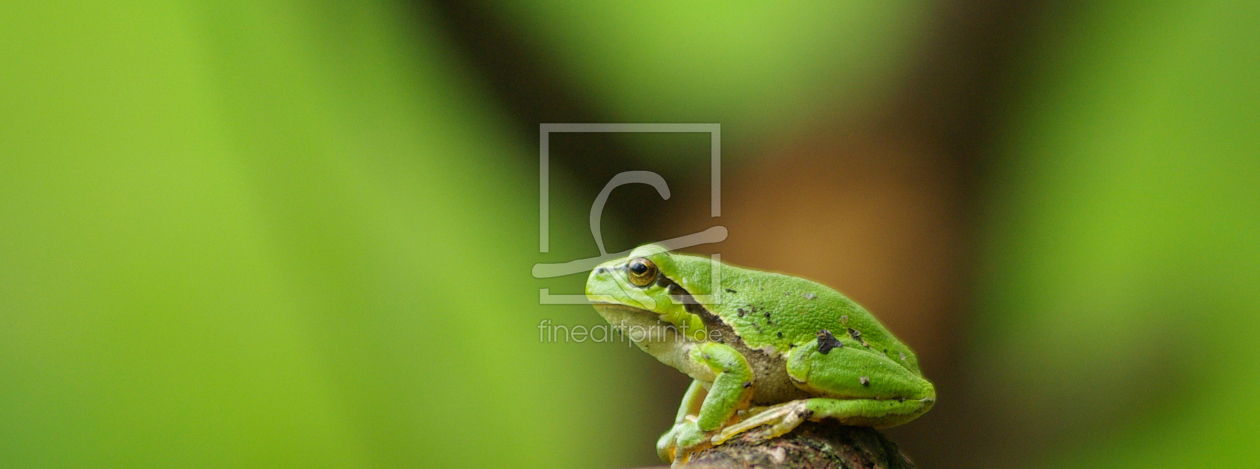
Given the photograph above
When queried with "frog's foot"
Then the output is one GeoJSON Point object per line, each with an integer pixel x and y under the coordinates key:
{"type": "Point", "coordinates": [667, 445]}
{"type": "Point", "coordinates": [770, 422]}
{"type": "Point", "coordinates": [680, 442]}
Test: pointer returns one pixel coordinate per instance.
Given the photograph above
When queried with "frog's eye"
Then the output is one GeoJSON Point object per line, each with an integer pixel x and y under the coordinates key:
{"type": "Point", "coordinates": [642, 272]}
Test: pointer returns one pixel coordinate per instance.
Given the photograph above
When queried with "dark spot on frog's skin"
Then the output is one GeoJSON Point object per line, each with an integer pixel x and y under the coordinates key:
{"type": "Point", "coordinates": [767, 313]}
{"type": "Point", "coordinates": [600, 270]}
{"type": "Point", "coordinates": [885, 351]}
{"type": "Point", "coordinates": [780, 335]}
{"type": "Point", "coordinates": [864, 380]}
{"type": "Point", "coordinates": [901, 399]}
{"type": "Point", "coordinates": [791, 345]}
{"type": "Point", "coordinates": [730, 291]}
{"type": "Point", "coordinates": [810, 296]}
{"type": "Point", "coordinates": [826, 341]}
{"type": "Point", "coordinates": [747, 384]}
{"type": "Point", "coordinates": [857, 335]}
{"type": "Point", "coordinates": [740, 311]}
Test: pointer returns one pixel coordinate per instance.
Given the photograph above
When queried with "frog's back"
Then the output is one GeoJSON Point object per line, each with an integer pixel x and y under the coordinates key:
{"type": "Point", "coordinates": [783, 312]}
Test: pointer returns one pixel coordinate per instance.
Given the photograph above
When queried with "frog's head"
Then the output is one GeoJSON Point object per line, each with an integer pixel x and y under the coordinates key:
{"type": "Point", "coordinates": [646, 286]}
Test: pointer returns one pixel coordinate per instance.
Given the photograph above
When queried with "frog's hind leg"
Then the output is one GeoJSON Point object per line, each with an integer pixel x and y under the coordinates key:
{"type": "Point", "coordinates": [771, 422]}
{"type": "Point", "coordinates": [856, 386]}
{"type": "Point", "coordinates": [783, 418]}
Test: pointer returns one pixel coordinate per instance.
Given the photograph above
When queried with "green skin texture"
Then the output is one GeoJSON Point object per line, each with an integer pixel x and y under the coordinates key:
{"type": "Point", "coordinates": [753, 350]}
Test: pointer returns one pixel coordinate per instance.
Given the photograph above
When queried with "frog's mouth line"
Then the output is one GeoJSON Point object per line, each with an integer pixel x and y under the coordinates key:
{"type": "Point", "coordinates": [638, 322]}
{"type": "Point", "coordinates": [643, 313]}
{"type": "Point", "coordinates": [644, 317]}
{"type": "Point", "coordinates": [678, 295]}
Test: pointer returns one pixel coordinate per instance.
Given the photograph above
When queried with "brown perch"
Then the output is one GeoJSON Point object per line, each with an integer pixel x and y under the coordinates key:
{"type": "Point", "coordinates": [813, 445]}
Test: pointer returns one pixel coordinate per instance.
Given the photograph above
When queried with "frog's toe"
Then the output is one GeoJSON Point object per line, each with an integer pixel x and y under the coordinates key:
{"type": "Point", "coordinates": [769, 423]}
{"type": "Point", "coordinates": [691, 439]}
{"type": "Point", "coordinates": [681, 441]}
{"type": "Point", "coordinates": [667, 444]}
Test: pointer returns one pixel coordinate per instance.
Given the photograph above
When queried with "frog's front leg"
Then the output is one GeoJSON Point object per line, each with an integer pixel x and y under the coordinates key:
{"type": "Point", "coordinates": [687, 411]}
{"type": "Point", "coordinates": [730, 391]}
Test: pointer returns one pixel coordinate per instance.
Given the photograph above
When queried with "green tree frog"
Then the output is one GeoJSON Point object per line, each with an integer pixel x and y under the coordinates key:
{"type": "Point", "coordinates": [765, 351]}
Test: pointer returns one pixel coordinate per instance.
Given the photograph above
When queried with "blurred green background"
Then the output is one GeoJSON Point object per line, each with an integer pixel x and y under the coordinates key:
{"type": "Point", "coordinates": [285, 234]}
